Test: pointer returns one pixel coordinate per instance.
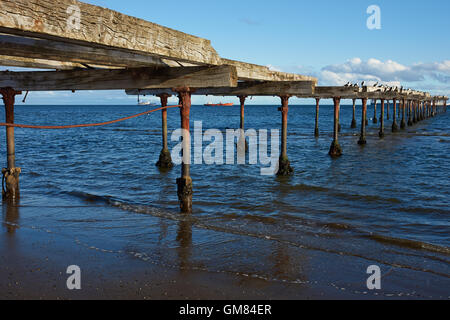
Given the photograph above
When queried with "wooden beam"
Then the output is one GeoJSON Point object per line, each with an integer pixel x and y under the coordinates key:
{"type": "Point", "coordinates": [245, 89]}
{"type": "Point", "coordinates": [80, 23]}
{"type": "Point", "coordinates": [352, 92]}
{"type": "Point", "coordinates": [98, 79]}
{"type": "Point", "coordinates": [251, 72]}
{"type": "Point", "coordinates": [11, 45]}
{"type": "Point", "coordinates": [37, 63]}
{"type": "Point", "coordinates": [322, 92]}
{"type": "Point", "coordinates": [333, 92]}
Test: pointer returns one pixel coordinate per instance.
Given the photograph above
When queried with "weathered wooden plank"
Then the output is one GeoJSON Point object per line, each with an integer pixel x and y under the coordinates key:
{"type": "Point", "coordinates": [81, 23]}
{"type": "Point", "coordinates": [37, 63]}
{"type": "Point", "coordinates": [251, 72]}
{"type": "Point", "coordinates": [98, 79]}
{"type": "Point", "coordinates": [336, 91]}
{"type": "Point", "coordinates": [354, 92]}
{"type": "Point", "coordinates": [12, 45]}
{"type": "Point", "coordinates": [245, 89]}
{"type": "Point", "coordinates": [329, 92]}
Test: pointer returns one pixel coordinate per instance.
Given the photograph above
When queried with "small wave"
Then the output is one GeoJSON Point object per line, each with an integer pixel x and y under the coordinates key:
{"type": "Point", "coordinates": [368, 198]}
{"type": "Point", "coordinates": [136, 130]}
{"type": "Point", "coordinates": [422, 210]}
{"type": "Point", "coordinates": [34, 174]}
{"type": "Point", "coordinates": [411, 244]}
{"type": "Point", "coordinates": [90, 197]}
{"type": "Point", "coordinates": [338, 226]}
{"type": "Point", "coordinates": [251, 217]}
{"type": "Point", "coordinates": [337, 193]}
{"type": "Point", "coordinates": [305, 187]}
{"type": "Point", "coordinates": [83, 220]}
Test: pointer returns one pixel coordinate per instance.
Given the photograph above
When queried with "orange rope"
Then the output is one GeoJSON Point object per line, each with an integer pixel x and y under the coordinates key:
{"type": "Point", "coordinates": [84, 125]}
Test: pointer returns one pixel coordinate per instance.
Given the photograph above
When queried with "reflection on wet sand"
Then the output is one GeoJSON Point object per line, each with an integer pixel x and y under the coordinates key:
{"type": "Point", "coordinates": [282, 261]}
{"type": "Point", "coordinates": [163, 231]}
{"type": "Point", "coordinates": [184, 239]}
{"type": "Point", "coordinates": [10, 213]}
{"type": "Point", "coordinates": [286, 266]}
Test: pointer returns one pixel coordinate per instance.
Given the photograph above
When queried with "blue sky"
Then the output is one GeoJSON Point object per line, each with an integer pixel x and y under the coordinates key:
{"type": "Point", "coordinates": [326, 39]}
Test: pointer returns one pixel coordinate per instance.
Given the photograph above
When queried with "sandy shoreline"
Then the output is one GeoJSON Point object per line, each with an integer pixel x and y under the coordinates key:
{"type": "Point", "coordinates": [36, 270]}
{"type": "Point", "coordinates": [33, 265]}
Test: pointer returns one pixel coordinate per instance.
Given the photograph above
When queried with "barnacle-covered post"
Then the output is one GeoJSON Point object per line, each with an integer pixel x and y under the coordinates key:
{"type": "Point", "coordinates": [10, 185]}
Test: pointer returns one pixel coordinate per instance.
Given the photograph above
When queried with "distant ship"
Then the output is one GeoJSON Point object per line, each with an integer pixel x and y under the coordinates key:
{"type": "Point", "coordinates": [219, 104]}
{"type": "Point", "coordinates": [147, 103]}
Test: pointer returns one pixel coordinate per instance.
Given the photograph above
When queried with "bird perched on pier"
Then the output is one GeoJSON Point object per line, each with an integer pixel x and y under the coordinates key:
{"type": "Point", "coordinates": [376, 83]}
{"type": "Point", "coordinates": [348, 84]}
{"type": "Point", "coordinates": [363, 84]}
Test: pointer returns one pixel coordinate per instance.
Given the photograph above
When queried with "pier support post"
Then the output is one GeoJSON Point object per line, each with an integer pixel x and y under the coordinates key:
{"type": "Point", "coordinates": [353, 125]}
{"type": "Point", "coordinates": [419, 112]}
{"type": "Point", "coordinates": [421, 107]}
{"type": "Point", "coordinates": [415, 111]}
{"type": "Point", "coordinates": [381, 133]}
{"type": "Point", "coordinates": [242, 123]}
{"type": "Point", "coordinates": [403, 123]}
{"type": "Point", "coordinates": [185, 190]}
{"type": "Point", "coordinates": [395, 125]}
{"type": "Point", "coordinates": [362, 139]}
{"type": "Point", "coordinates": [316, 129]}
{"type": "Point", "coordinates": [165, 159]}
{"type": "Point", "coordinates": [242, 102]}
{"type": "Point", "coordinates": [375, 120]}
{"type": "Point", "coordinates": [367, 119]}
{"type": "Point", "coordinates": [335, 149]}
{"type": "Point", "coordinates": [284, 163]}
{"type": "Point", "coordinates": [410, 107]}
{"type": "Point", "coordinates": [10, 185]}
{"type": "Point", "coordinates": [424, 110]}
{"type": "Point", "coordinates": [388, 106]}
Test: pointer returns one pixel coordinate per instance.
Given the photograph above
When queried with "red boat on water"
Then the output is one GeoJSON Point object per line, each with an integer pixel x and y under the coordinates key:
{"type": "Point", "coordinates": [219, 104]}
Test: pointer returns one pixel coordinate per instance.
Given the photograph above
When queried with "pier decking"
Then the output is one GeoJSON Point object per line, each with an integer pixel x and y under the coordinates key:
{"type": "Point", "coordinates": [86, 47]}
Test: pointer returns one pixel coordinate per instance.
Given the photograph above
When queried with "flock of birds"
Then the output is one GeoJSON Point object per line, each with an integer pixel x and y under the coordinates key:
{"type": "Point", "coordinates": [376, 85]}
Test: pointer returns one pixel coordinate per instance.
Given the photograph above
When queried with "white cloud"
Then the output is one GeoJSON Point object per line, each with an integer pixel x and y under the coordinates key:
{"type": "Point", "coordinates": [388, 72]}
{"type": "Point", "coordinates": [433, 76]}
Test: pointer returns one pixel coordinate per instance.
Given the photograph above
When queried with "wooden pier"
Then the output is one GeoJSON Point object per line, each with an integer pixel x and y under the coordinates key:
{"type": "Point", "coordinates": [85, 47]}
